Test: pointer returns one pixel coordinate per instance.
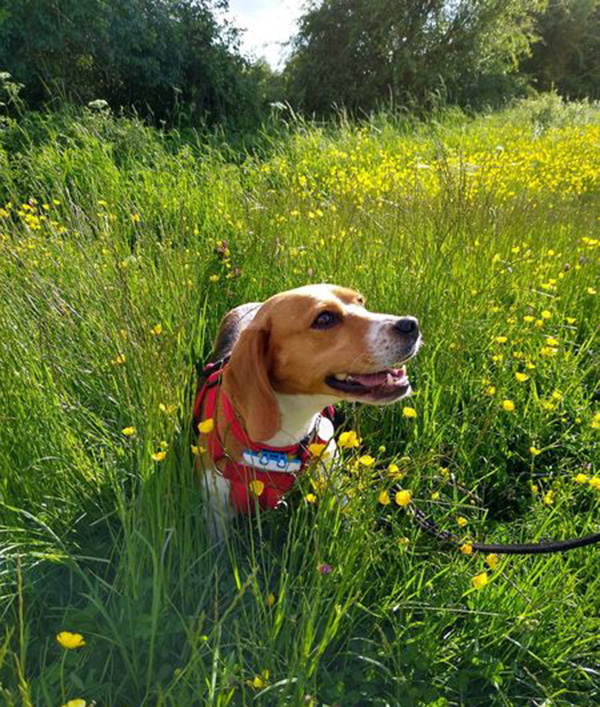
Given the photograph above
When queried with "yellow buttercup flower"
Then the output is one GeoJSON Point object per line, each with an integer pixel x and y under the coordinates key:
{"type": "Point", "coordinates": [581, 478]}
{"type": "Point", "coordinates": [156, 330]}
{"type": "Point", "coordinates": [394, 470]}
{"type": "Point", "coordinates": [206, 426]}
{"type": "Point", "coordinates": [70, 640]}
{"type": "Point", "coordinates": [492, 561]}
{"type": "Point", "coordinates": [534, 451]}
{"type": "Point", "coordinates": [159, 456]}
{"type": "Point", "coordinates": [409, 412]}
{"type": "Point", "coordinates": [546, 314]}
{"type": "Point", "coordinates": [75, 703]}
{"type": "Point", "coordinates": [549, 498]}
{"type": "Point", "coordinates": [521, 377]}
{"type": "Point", "coordinates": [257, 487]}
{"type": "Point", "coordinates": [508, 406]}
{"type": "Point", "coordinates": [466, 549]}
{"type": "Point", "coordinates": [316, 449]}
{"type": "Point", "coordinates": [592, 291]}
{"type": "Point", "coordinates": [403, 498]}
{"type": "Point", "coordinates": [348, 440]}
{"type": "Point", "coordinates": [259, 681]}
{"type": "Point", "coordinates": [479, 580]}
{"type": "Point", "coordinates": [501, 339]}
{"type": "Point", "coordinates": [384, 498]}
{"type": "Point", "coordinates": [490, 390]}
{"type": "Point", "coordinates": [128, 431]}
{"type": "Point", "coordinates": [366, 460]}
{"type": "Point", "coordinates": [310, 498]}
{"type": "Point", "coordinates": [595, 482]}
{"type": "Point", "coordinates": [462, 521]}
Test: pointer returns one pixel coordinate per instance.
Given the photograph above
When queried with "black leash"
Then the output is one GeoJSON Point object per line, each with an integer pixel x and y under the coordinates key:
{"type": "Point", "coordinates": [541, 548]}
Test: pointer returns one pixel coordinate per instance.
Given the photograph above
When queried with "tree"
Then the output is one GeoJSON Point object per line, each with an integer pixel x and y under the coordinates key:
{"type": "Point", "coordinates": [358, 53]}
{"type": "Point", "coordinates": [567, 57]}
{"type": "Point", "coordinates": [153, 55]}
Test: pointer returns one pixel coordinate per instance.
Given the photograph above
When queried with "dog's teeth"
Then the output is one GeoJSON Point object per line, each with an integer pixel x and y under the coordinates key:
{"type": "Point", "coordinates": [389, 380]}
{"type": "Point", "coordinates": [341, 376]}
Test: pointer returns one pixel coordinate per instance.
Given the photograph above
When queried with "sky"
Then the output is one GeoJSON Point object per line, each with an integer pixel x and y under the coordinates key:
{"type": "Point", "coordinates": [268, 24]}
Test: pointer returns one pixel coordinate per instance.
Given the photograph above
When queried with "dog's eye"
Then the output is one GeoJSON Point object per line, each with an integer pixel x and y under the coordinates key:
{"type": "Point", "coordinates": [326, 320]}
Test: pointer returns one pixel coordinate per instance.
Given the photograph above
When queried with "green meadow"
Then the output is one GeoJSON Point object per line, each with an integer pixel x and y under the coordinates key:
{"type": "Point", "coordinates": [121, 247]}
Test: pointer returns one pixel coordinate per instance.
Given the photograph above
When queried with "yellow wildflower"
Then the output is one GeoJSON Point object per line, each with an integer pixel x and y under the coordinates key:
{"type": "Point", "coordinates": [546, 314]}
{"type": "Point", "coordinates": [366, 460]}
{"type": "Point", "coordinates": [403, 498]}
{"type": "Point", "coordinates": [271, 600]}
{"type": "Point", "coordinates": [78, 702]}
{"type": "Point", "coordinates": [257, 487]}
{"type": "Point", "coordinates": [479, 580]}
{"type": "Point", "coordinates": [70, 640]}
{"type": "Point", "coordinates": [501, 339]}
{"type": "Point", "coordinates": [394, 470]}
{"type": "Point", "coordinates": [466, 549]}
{"type": "Point", "coordinates": [156, 330]}
{"type": "Point", "coordinates": [521, 377]}
{"type": "Point", "coordinates": [128, 431]}
{"type": "Point", "coordinates": [534, 451]}
{"type": "Point", "coordinates": [348, 440]}
{"type": "Point", "coordinates": [591, 291]}
{"type": "Point", "coordinates": [259, 681]}
{"type": "Point", "coordinates": [581, 478]}
{"type": "Point", "coordinates": [462, 521]}
{"type": "Point", "coordinates": [551, 341]}
{"type": "Point", "coordinates": [492, 561]}
{"type": "Point", "coordinates": [595, 482]}
{"type": "Point", "coordinates": [214, 278]}
{"type": "Point", "coordinates": [549, 498]}
{"type": "Point", "coordinates": [409, 412]}
{"type": "Point", "coordinates": [206, 426]}
{"type": "Point", "coordinates": [384, 498]}
{"type": "Point", "coordinates": [159, 456]}
{"type": "Point", "coordinates": [490, 390]}
{"type": "Point", "coordinates": [310, 498]}
{"type": "Point", "coordinates": [508, 406]}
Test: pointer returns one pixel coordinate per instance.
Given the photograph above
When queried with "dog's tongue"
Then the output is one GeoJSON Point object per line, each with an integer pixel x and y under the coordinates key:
{"type": "Point", "coordinates": [379, 378]}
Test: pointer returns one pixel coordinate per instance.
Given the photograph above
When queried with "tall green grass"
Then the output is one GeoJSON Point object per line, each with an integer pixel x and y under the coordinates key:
{"type": "Point", "coordinates": [110, 229]}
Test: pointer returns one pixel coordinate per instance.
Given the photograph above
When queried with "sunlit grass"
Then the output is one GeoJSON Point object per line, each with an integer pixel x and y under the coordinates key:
{"type": "Point", "coordinates": [120, 250]}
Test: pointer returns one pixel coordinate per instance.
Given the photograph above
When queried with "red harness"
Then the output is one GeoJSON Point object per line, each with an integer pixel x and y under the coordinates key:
{"type": "Point", "coordinates": [275, 483]}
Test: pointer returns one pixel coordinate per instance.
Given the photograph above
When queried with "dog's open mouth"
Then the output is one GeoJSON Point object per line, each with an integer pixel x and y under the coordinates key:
{"type": "Point", "coordinates": [385, 385]}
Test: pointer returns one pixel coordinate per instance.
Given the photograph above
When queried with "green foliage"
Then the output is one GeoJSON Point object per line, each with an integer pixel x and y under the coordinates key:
{"type": "Point", "coordinates": [360, 54]}
{"type": "Point", "coordinates": [159, 57]}
{"type": "Point", "coordinates": [108, 227]}
{"type": "Point", "coordinates": [567, 56]}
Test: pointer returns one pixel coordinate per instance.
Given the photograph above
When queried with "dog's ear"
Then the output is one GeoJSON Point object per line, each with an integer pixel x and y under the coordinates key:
{"type": "Point", "coordinates": [246, 382]}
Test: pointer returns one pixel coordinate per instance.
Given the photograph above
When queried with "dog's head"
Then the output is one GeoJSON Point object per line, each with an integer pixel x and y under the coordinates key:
{"type": "Point", "coordinates": [318, 340]}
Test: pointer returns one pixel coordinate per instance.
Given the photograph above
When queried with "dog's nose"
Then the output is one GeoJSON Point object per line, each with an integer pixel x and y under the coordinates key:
{"type": "Point", "coordinates": [408, 326]}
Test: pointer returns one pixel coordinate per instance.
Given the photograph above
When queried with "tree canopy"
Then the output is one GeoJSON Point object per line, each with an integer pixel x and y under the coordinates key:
{"type": "Point", "coordinates": [359, 53]}
{"type": "Point", "coordinates": [153, 55]}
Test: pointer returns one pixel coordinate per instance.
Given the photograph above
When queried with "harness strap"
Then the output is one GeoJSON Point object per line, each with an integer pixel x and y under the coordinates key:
{"type": "Point", "coordinates": [275, 484]}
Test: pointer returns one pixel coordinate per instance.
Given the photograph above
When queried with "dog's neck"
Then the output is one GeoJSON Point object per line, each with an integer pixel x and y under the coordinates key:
{"type": "Point", "coordinates": [297, 416]}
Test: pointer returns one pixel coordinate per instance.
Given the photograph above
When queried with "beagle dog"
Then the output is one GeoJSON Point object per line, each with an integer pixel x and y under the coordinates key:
{"type": "Point", "coordinates": [275, 367]}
